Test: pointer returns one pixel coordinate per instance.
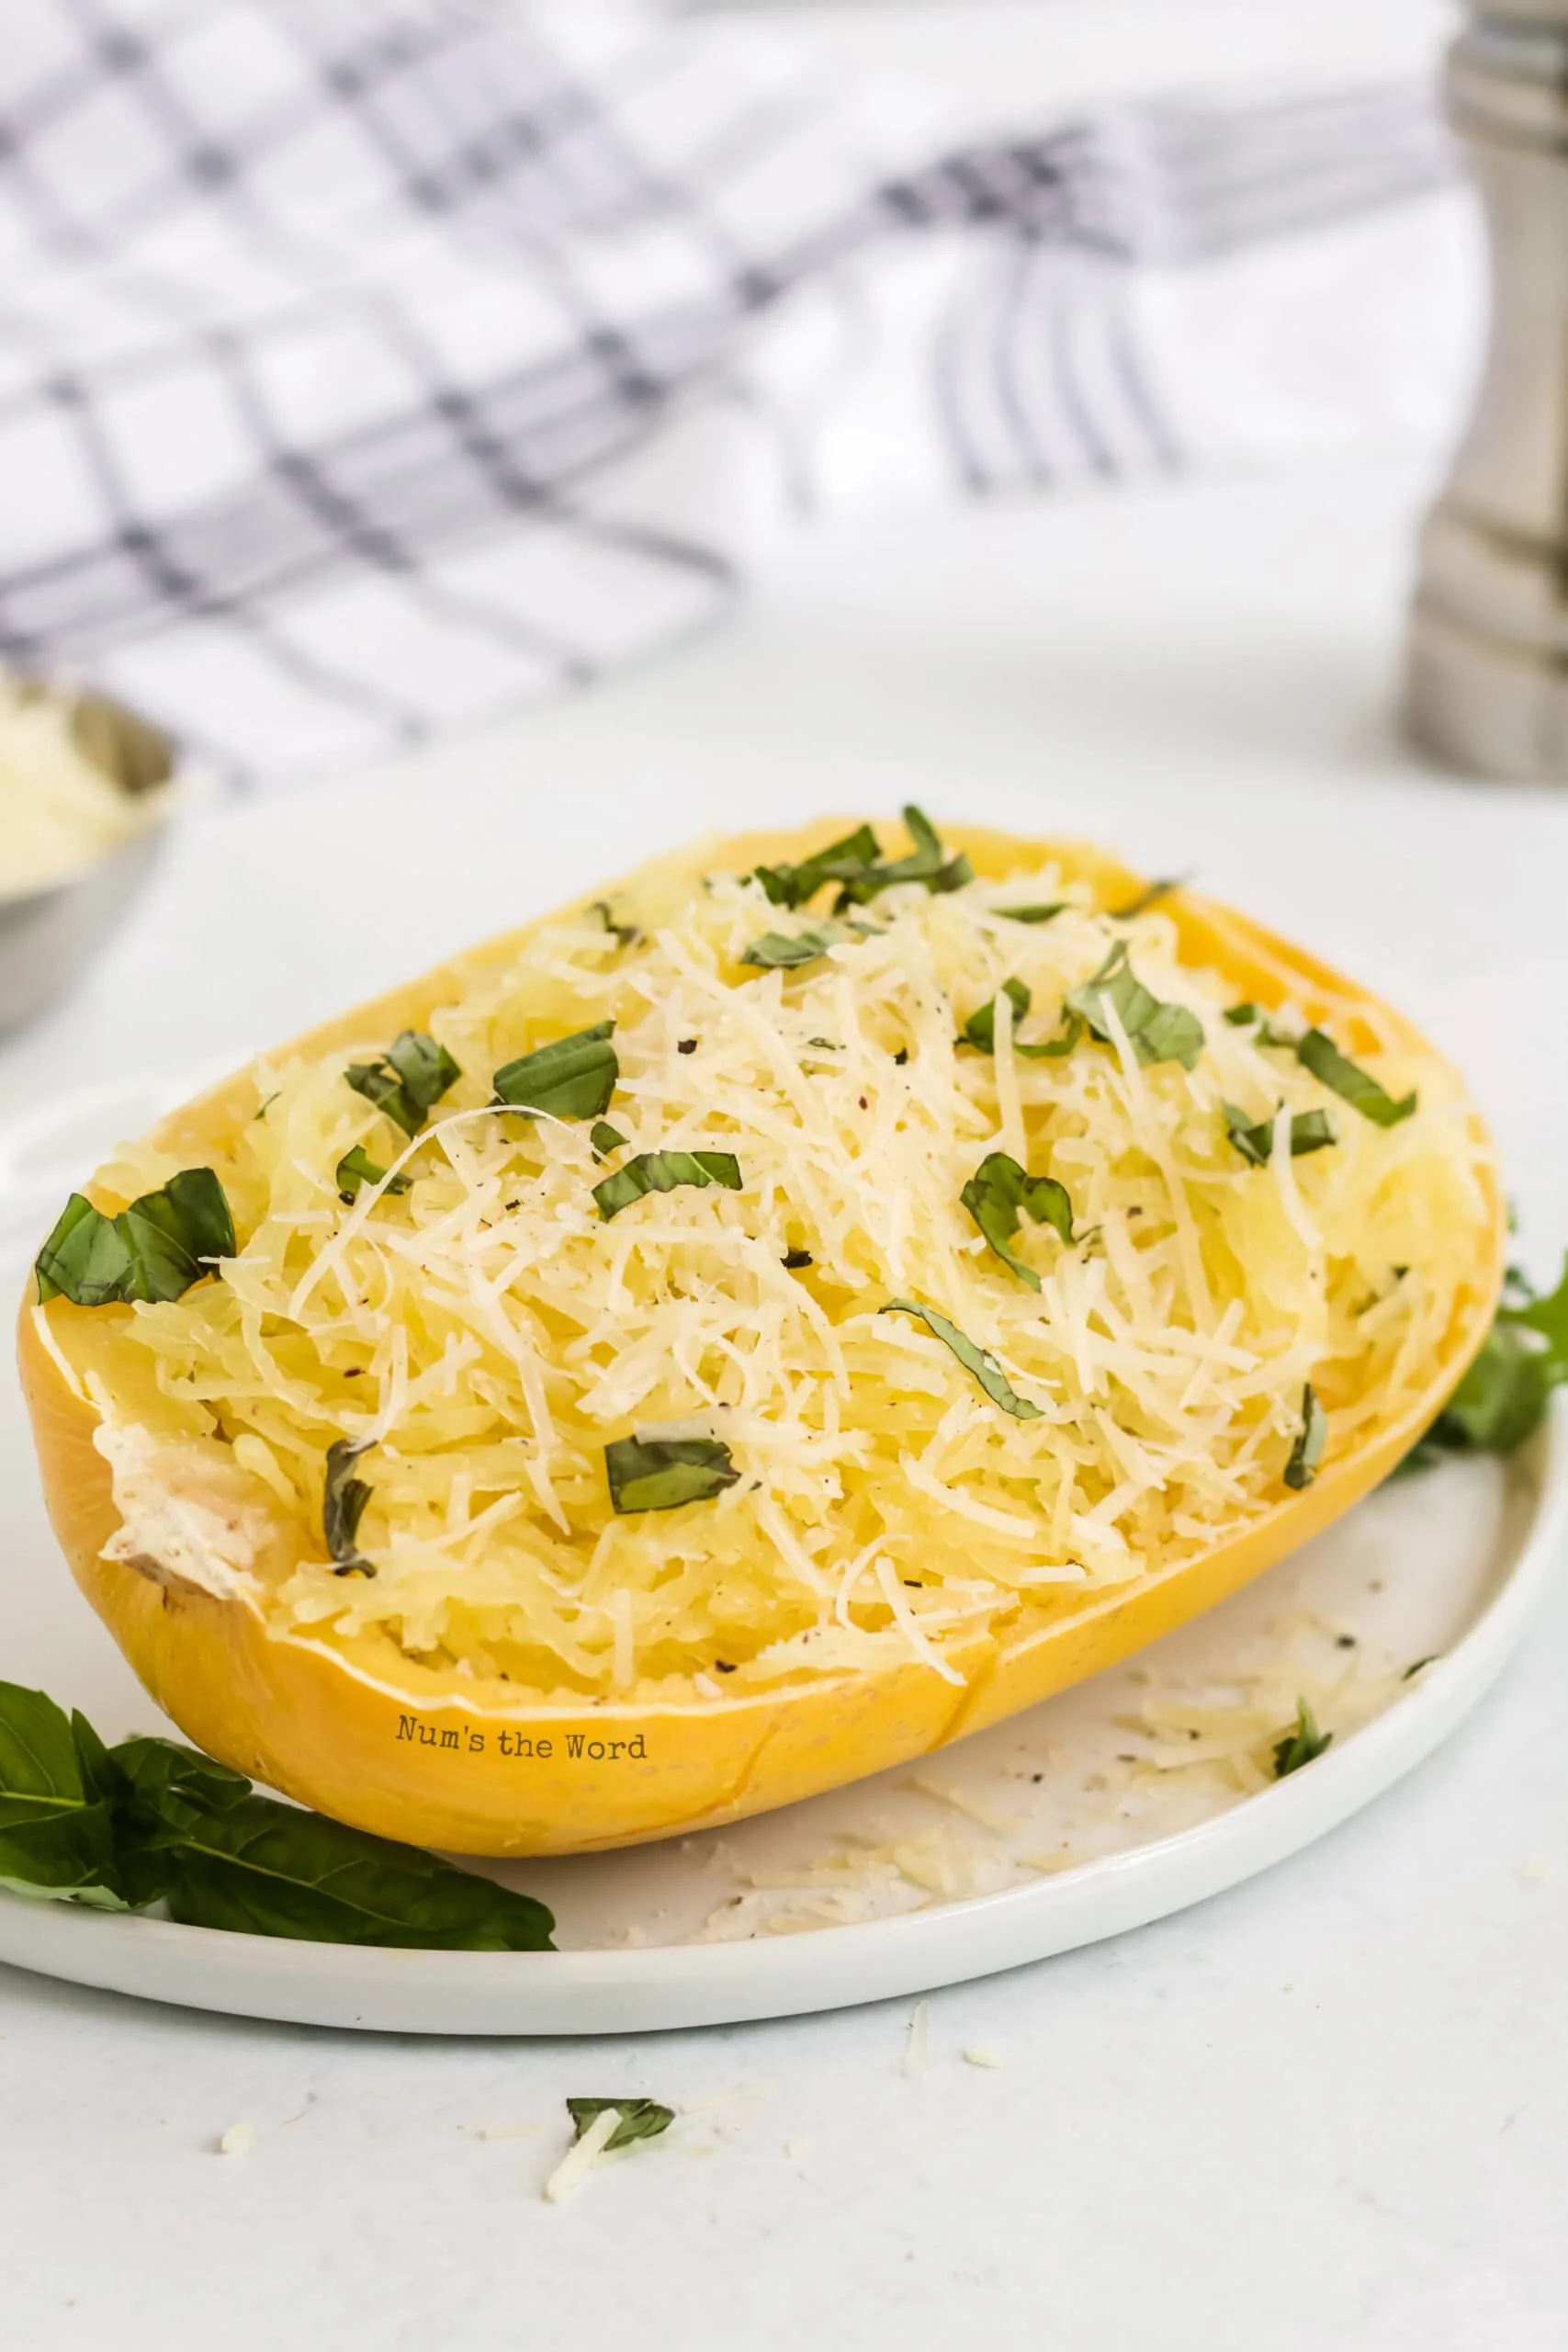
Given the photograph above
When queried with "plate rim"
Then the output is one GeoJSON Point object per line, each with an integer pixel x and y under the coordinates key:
{"type": "Point", "coordinates": [669, 1987]}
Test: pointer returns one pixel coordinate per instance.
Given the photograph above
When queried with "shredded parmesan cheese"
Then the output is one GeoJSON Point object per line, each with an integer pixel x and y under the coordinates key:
{"type": "Point", "coordinates": [580, 2157]}
{"type": "Point", "coordinates": [486, 1333]}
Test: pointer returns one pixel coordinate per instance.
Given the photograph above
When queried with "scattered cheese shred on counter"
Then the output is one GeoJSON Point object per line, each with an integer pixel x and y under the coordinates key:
{"type": "Point", "coordinates": [984, 2054]}
{"type": "Point", "coordinates": [238, 2140]}
{"type": "Point", "coordinates": [917, 2046]}
{"type": "Point", "coordinates": [488, 1332]}
{"type": "Point", "coordinates": [580, 2158]}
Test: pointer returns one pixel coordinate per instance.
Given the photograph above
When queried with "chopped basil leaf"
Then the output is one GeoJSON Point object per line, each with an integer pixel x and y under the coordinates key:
{"type": "Point", "coordinates": [996, 1194]}
{"type": "Point", "coordinates": [977, 1360]}
{"type": "Point", "coordinates": [1307, 1451]}
{"type": "Point", "coordinates": [662, 1472]}
{"type": "Point", "coordinates": [927, 862]}
{"type": "Point", "coordinates": [151, 1821]}
{"type": "Point", "coordinates": [1310, 1131]}
{"type": "Point", "coordinates": [605, 1138]}
{"type": "Point", "coordinates": [980, 1029]}
{"type": "Point", "coordinates": [1241, 1017]}
{"type": "Point", "coordinates": [1147, 898]}
{"type": "Point", "coordinates": [794, 1260]}
{"type": "Point", "coordinates": [1412, 1670]}
{"type": "Point", "coordinates": [792, 886]}
{"type": "Point", "coordinates": [344, 1499]}
{"type": "Point", "coordinates": [408, 1080]}
{"type": "Point", "coordinates": [1157, 1031]}
{"type": "Point", "coordinates": [1358, 1087]}
{"type": "Point", "coordinates": [572, 1078]}
{"type": "Point", "coordinates": [262, 1108]}
{"type": "Point", "coordinates": [662, 1172]}
{"type": "Point", "coordinates": [357, 1167]}
{"type": "Point", "coordinates": [152, 1251]}
{"type": "Point", "coordinates": [1033, 914]}
{"type": "Point", "coordinates": [625, 934]}
{"type": "Point", "coordinates": [775, 952]}
{"type": "Point", "coordinates": [1302, 1745]}
{"type": "Point", "coordinates": [641, 2119]}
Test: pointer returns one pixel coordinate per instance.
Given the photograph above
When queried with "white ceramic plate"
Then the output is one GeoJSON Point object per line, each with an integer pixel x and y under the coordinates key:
{"type": "Point", "coordinates": [1086, 1816]}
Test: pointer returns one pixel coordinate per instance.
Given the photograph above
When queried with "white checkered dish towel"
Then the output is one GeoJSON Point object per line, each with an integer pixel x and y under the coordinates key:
{"type": "Point", "coordinates": [368, 367]}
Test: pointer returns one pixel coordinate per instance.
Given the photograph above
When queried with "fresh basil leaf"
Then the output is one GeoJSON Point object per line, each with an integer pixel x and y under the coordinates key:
{"type": "Point", "coordinates": [1310, 1131]}
{"type": "Point", "coordinates": [1546, 1316]}
{"type": "Point", "coordinates": [625, 934]}
{"type": "Point", "coordinates": [997, 1194]}
{"type": "Point", "coordinates": [1307, 1451]}
{"type": "Point", "coordinates": [662, 1472]}
{"type": "Point", "coordinates": [1033, 914]}
{"type": "Point", "coordinates": [1241, 1017]}
{"type": "Point", "coordinates": [1300, 1746]}
{"type": "Point", "coordinates": [57, 1833]}
{"type": "Point", "coordinates": [223, 1857]}
{"type": "Point", "coordinates": [1503, 1398]}
{"type": "Point", "coordinates": [662, 1172]}
{"type": "Point", "coordinates": [792, 886]}
{"type": "Point", "coordinates": [357, 1167]}
{"type": "Point", "coordinates": [1157, 1031]}
{"type": "Point", "coordinates": [408, 1079]}
{"type": "Point", "coordinates": [155, 1249]}
{"type": "Point", "coordinates": [572, 1078]}
{"type": "Point", "coordinates": [980, 1362]}
{"type": "Point", "coordinates": [1353, 1085]}
{"type": "Point", "coordinates": [980, 1029]}
{"type": "Point", "coordinates": [777, 952]}
{"type": "Point", "coordinates": [641, 2119]}
{"type": "Point", "coordinates": [1150, 896]}
{"type": "Point", "coordinates": [344, 1500]}
{"type": "Point", "coordinates": [605, 1138]}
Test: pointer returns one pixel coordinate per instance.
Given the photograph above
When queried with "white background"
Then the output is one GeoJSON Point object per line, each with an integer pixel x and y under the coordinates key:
{"type": "Point", "coordinates": [1327, 2110]}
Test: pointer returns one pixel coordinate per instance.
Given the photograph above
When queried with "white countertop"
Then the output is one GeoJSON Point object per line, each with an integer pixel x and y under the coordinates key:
{"type": "Point", "coordinates": [1326, 2109]}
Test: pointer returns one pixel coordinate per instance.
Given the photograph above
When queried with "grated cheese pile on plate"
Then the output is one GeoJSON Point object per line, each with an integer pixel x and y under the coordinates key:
{"type": "Point", "coordinates": [489, 1332]}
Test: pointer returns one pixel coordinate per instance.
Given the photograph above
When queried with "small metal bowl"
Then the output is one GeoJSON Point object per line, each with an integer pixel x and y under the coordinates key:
{"type": "Point", "coordinates": [49, 936]}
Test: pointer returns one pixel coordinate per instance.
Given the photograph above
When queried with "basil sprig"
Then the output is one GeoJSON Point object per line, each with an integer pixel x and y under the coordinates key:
{"type": "Point", "coordinates": [406, 1081]}
{"type": "Point", "coordinates": [1354, 1085]}
{"type": "Point", "coordinates": [572, 1078]}
{"type": "Point", "coordinates": [357, 1167]}
{"type": "Point", "coordinates": [151, 1821]}
{"type": "Point", "coordinates": [1503, 1394]}
{"type": "Point", "coordinates": [996, 1195]}
{"type": "Point", "coordinates": [1307, 1451]}
{"type": "Point", "coordinates": [641, 2119]}
{"type": "Point", "coordinates": [344, 1499]}
{"type": "Point", "coordinates": [1301, 1743]}
{"type": "Point", "coordinates": [980, 1362]}
{"type": "Point", "coordinates": [777, 952]}
{"type": "Point", "coordinates": [662, 1472]}
{"type": "Point", "coordinates": [152, 1251]}
{"type": "Point", "coordinates": [1310, 1131]}
{"type": "Point", "coordinates": [856, 865]}
{"type": "Point", "coordinates": [662, 1172]}
{"type": "Point", "coordinates": [1157, 1031]}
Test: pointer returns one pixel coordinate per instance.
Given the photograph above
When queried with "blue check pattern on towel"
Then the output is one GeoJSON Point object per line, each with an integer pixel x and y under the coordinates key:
{"type": "Point", "coordinates": [366, 368]}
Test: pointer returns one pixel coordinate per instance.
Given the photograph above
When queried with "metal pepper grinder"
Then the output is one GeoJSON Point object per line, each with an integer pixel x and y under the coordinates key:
{"type": "Point", "coordinates": [1488, 665]}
